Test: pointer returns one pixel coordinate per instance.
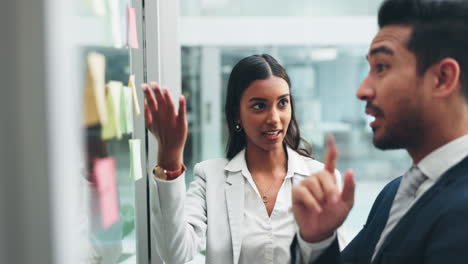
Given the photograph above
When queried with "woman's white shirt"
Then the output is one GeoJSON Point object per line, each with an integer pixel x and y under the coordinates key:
{"type": "Point", "coordinates": [266, 239]}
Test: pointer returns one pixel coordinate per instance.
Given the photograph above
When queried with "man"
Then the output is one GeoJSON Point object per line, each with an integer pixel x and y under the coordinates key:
{"type": "Point", "coordinates": [417, 90]}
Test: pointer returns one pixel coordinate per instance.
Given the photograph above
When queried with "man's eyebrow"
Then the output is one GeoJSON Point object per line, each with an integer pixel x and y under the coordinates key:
{"type": "Point", "coordinates": [381, 49]}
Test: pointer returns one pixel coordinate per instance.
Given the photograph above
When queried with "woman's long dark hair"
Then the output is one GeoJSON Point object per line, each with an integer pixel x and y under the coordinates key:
{"type": "Point", "coordinates": [246, 71]}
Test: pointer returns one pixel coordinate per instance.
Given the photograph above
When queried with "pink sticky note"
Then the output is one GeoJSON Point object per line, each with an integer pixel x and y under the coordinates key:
{"type": "Point", "coordinates": [132, 38]}
{"type": "Point", "coordinates": [104, 175]}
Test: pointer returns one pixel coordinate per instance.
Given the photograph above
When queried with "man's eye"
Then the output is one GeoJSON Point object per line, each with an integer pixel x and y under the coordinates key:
{"type": "Point", "coordinates": [380, 67]}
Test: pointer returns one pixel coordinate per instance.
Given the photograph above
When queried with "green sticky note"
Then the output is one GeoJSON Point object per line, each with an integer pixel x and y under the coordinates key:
{"type": "Point", "coordinates": [126, 112]}
{"type": "Point", "coordinates": [112, 128]}
{"type": "Point", "coordinates": [123, 111]}
{"type": "Point", "coordinates": [135, 159]}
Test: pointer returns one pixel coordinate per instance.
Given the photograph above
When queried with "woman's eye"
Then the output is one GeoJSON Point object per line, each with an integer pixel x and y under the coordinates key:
{"type": "Point", "coordinates": [283, 102]}
{"type": "Point", "coordinates": [258, 106]}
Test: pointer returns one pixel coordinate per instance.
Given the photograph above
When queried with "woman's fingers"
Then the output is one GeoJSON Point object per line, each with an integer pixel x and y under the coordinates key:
{"type": "Point", "coordinates": [161, 107]}
{"type": "Point", "coordinates": [150, 100]}
{"type": "Point", "coordinates": [182, 114]}
{"type": "Point", "coordinates": [159, 96]}
{"type": "Point", "coordinates": [169, 103]}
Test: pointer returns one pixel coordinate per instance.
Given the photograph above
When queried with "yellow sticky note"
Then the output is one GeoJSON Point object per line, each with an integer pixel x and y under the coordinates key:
{"type": "Point", "coordinates": [135, 159]}
{"type": "Point", "coordinates": [94, 98]}
{"type": "Point", "coordinates": [113, 128]}
{"type": "Point", "coordinates": [131, 84]}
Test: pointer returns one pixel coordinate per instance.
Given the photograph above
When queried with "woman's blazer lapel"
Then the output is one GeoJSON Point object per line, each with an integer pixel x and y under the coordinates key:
{"type": "Point", "coordinates": [234, 190]}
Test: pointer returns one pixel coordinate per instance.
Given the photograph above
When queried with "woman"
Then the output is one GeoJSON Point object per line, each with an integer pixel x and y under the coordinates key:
{"type": "Point", "coordinates": [240, 206]}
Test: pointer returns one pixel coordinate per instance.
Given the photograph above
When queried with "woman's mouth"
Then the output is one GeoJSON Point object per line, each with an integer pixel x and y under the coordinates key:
{"type": "Point", "coordinates": [272, 135]}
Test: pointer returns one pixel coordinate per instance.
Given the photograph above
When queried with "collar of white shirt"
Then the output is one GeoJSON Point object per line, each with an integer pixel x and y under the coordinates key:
{"type": "Point", "coordinates": [296, 164]}
{"type": "Point", "coordinates": [442, 159]}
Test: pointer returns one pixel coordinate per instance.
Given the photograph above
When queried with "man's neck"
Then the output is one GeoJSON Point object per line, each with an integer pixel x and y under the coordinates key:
{"type": "Point", "coordinates": [436, 140]}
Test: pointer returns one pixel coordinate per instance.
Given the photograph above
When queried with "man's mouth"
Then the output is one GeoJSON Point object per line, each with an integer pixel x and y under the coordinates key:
{"type": "Point", "coordinates": [374, 112]}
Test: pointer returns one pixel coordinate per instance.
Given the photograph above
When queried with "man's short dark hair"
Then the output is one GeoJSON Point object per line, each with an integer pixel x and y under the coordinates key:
{"type": "Point", "coordinates": [440, 30]}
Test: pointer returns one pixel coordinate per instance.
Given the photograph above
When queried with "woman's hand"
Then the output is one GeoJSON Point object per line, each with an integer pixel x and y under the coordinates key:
{"type": "Point", "coordinates": [169, 127]}
{"type": "Point", "coordinates": [318, 205]}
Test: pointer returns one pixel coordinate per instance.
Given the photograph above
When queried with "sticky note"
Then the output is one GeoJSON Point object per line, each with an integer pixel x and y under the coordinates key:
{"type": "Point", "coordinates": [114, 21]}
{"type": "Point", "coordinates": [95, 111]}
{"type": "Point", "coordinates": [131, 84]}
{"type": "Point", "coordinates": [127, 94]}
{"type": "Point", "coordinates": [123, 111]}
{"type": "Point", "coordinates": [135, 159]}
{"type": "Point", "coordinates": [113, 128]}
{"type": "Point", "coordinates": [126, 111]}
{"type": "Point", "coordinates": [98, 7]}
{"type": "Point", "coordinates": [106, 185]}
{"type": "Point", "coordinates": [132, 38]}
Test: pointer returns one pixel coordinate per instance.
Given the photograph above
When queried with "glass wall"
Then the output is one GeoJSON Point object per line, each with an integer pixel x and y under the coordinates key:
{"type": "Point", "coordinates": [325, 77]}
{"type": "Point", "coordinates": [109, 183]}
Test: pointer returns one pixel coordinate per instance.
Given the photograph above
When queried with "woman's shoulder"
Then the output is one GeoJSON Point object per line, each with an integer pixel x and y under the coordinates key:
{"type": "Point", "coordinates": [305, 162]}
{"type": "Point", "coordinates": [212, 164]}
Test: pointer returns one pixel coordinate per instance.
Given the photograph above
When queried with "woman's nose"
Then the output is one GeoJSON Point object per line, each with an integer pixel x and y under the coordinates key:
{"type": "Point", "coordinates": [273, 116]}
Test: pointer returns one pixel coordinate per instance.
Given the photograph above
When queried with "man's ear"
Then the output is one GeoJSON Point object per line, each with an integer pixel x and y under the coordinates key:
{"type": "Point", "coordinates": [447, 76]}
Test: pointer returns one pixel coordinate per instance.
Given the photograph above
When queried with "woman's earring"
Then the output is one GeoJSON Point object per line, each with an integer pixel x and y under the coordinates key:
{"type": "Point", "coordinates": [238, 128]}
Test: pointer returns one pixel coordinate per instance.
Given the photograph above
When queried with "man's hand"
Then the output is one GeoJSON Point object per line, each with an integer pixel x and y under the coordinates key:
{"type": "Point", "coordinates": [318, 205]}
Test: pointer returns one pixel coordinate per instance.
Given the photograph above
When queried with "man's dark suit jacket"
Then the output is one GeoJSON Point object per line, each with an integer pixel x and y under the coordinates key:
{"type": "Point", "coordinates": [434, 230]}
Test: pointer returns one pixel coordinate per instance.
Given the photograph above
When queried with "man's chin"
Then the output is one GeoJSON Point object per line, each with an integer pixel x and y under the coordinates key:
{"type": "Point", "coordinates": [386, 143]}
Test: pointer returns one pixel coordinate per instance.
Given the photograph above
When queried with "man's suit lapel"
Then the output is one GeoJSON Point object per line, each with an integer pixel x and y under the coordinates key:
{"type": "Point", "coordinates": [375, 224]}
{"type": "Point", "coordinates": [234, 189]}
{"type": "Point", "coordinates": [448, 177]}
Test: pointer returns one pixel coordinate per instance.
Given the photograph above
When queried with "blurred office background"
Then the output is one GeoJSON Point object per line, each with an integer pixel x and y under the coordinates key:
{"type": "Point", "coordinates": [322, 45]}
{"type": "Point", "coordinates": [189, 46]}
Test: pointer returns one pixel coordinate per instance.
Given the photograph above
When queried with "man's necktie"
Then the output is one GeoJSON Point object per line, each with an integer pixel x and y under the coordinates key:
{"type": "Point", "coordinates": [403, 200]}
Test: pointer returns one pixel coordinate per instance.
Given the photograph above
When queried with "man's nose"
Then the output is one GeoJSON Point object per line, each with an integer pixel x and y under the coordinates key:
{"type": "Point", "coordinates": [365, 91]}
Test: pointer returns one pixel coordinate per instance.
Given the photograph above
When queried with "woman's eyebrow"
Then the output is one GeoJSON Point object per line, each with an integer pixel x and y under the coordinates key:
{"type": "Point", "coordinates": [258, 99]}
{"type": "Point", "coordinates": [264, 99]}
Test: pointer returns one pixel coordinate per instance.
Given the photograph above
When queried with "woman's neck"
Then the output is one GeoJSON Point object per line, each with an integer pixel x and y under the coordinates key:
{"type": "Point", "coordinates": [262, 161]}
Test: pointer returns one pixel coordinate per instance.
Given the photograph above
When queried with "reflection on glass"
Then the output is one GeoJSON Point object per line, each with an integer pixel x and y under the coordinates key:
{"type": "Point", "coordinates": [117, 242]}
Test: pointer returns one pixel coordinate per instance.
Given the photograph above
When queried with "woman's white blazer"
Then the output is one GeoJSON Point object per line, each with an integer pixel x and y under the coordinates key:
{"type": "Point", "coordinates": [211, 211]}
